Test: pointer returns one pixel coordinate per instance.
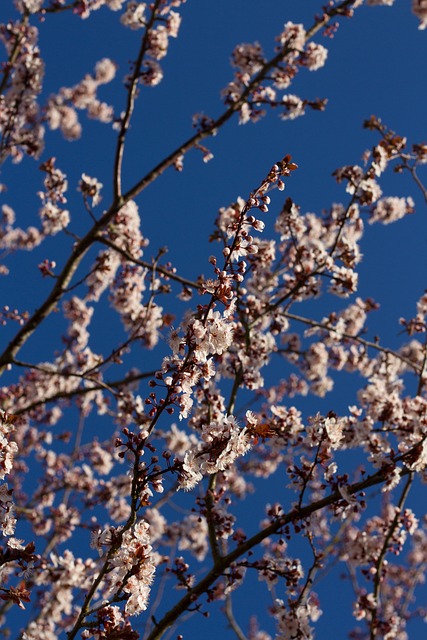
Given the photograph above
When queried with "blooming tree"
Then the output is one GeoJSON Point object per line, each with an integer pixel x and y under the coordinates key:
{"type": "Point", "coordinates": [127, 463]}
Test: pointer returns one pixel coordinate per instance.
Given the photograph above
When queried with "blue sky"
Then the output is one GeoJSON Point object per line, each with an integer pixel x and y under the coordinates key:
{"type": "Point", "coordinates": [376, 65]}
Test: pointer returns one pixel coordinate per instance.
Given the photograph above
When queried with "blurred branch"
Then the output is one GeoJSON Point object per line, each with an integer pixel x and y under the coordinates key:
{"type": "Point", "coordinates": [142, 263]}
{"type": "Point", "coordinates": [381, 557]}
{"type": "Point", "coordinates": [228, 610]}
{"type": "Point", "coordinates": [347, 336]}
{"type": "Point", "coordinates": [81, 391]}
{"type": "Point", "coordinates": [413, 171]}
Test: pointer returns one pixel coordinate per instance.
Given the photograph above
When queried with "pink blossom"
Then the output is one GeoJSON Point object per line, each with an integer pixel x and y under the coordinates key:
{"type": "Point", "coordinates": [293, 35]}
{"type": "Point", "coordinates": [32, 6]}
{"type": "Point", "coordinates": [134, 15]}
{"type": "Point", "coordinates": [390, 209]}
{"type": "Point", "coordinates": [314, 56]}
{"type": "Point", "coordinates": [105, 71]}
{"type": "Point", "coordinates": [294, 107]}
{"type": "Point", "coordinates": [386, 3]}
{"type": "Point", "coordinates": [173, 23]}
{"type": "Point", "coordinates": [249, 58]}
{"type": "Point", "coordinates": [152, 73]}
{"type": "Point", "coordinates": [419, 8]}
{"type": "Point", "coordinates": [90, 187]}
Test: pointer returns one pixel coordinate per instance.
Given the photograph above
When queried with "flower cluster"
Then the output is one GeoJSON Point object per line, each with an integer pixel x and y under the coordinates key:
{"type": "Point", "coordinates": [294, 621]}
{"type": "Point", "coordinates": [252, 89]}
{"type": "Point", "coordinates": [54, 218]}
{"type": "Point", "coordinates": [388, 210]}
{"type": "Point", "coordinates": [133, 569]}
{"type": "Point", "coordinates": [220, 444]}
{"type": "Point", "coordinates": [8, 449]}
{"type": "Point", "coordinates": [159, 28]}
{"type": "Point", "coordinates": [91, 188]}
{"type": "Point", "coordinates": [61, 111]}
{"type": "Point", "coordinates": [13, 238]}
{"type": "Point", "coordinates": [20, 119]}
{"type": "Point", "coordinates": [419, 8]}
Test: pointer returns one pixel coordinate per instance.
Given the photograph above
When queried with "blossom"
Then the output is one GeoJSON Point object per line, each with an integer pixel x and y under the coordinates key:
{"type": "Point", "coordinates": [158, 42]}
{"type": "Point", "coordinates": [282, 78]}
{"type": "Point", "coordinates": [344, 282]}
{"type": "Point", "coordinates": [418, 460]}
{"type": "Point", "coordinates": [367, 191]}
{"type": "Point", "coordinates": [20, 117]}
{"type": "Point", "coordinates": [8, 449]}
{"type": "Point", "coordinates": [7, 511]}
{"type": "Point", "coordinates": [294, 107]}
{"type": "Point", "coordinates": [419, 8]}
{"type": "Point", "coordinates": [314, 56]}
{"type": "Point", "coordinates": [134, 15]}
{"type": "Point", "coordinates": [381, 158]}
{"type": "Point", "coordinates": [294, 622]}
{"type": "Point", "coordinates": [177, 440]}
{"type": "Point", "coordinates": [151, 74]}
{"type": "Point", "coordinates": [173, 23]}
{"type": "Point", "coordinates": [80, 315]}
{"type": "Point", "coordinates": [212, 337]}
{"type": "Point", "coordinates": [192, 534]}
{"type": "Point", "coordinates": [63, 117]}
{"type": "Point", "coordinates": [249, 58]}
{"type": "Point", "coordinates": [32, 6]}
{"type": "Point", "coordinates": [138, 591]}
{"type": "Point", "coordinates": [293, 35]}
{"type": "Point", "coordinates": [61, 109]}
{"type": "Point", "coordinates": [390, 209]}
{"type": "Point", "coordinates": [191, 475]}
{"type": "Point", "coordinates": [222, 442]}
{"type": "Point", "coordinates": [134, 558]}
{"type": "Point", "coordinates": [90, 187]}
{"type": "Point", "coordinates": [105, 71]}
{"type": "Point", "coordinates": [334, 430]}
{"type": "Point", "coordinates": [386, 3]}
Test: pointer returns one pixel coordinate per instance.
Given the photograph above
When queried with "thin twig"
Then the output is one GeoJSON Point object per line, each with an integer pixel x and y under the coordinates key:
{"type": "Point", "coordinates": [228, 610]}
{"type": "Point", "coordinates": [348, 336]}
{"type": "Point", "coordinates": [383, 553]}
{"type": "Point", "coordinates": [143, 263]}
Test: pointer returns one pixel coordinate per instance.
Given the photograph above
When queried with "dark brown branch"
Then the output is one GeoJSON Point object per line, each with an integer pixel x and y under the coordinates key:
{"type": "Point", "coordinates": [64, 395]}
{"type": "Point", "coordinates": [130, 105]}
